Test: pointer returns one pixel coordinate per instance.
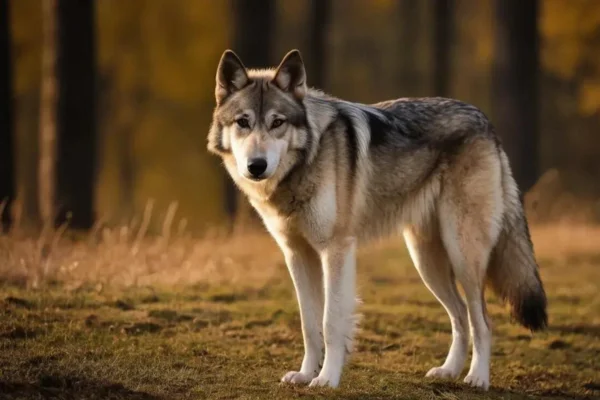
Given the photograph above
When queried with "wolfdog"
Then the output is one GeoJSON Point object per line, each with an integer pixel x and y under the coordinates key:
{"type": "Point", "coordinates": [325, 173]}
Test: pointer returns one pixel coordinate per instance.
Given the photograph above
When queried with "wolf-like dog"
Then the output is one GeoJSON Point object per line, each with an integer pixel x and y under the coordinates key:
{"type": "Point", "coordinates": [324, 174]}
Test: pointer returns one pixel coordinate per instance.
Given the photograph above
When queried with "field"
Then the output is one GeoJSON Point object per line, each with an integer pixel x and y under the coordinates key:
{"type": "Point", "coordinates": [119, 315]}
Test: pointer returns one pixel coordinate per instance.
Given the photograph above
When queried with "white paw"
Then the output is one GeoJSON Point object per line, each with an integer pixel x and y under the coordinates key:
{"type": "Point", "coordinates": [297, 377]}
{"type": "Point", "coordinates": [442, 373]}
{"type": "Point", "coordinates": [478, 380]}
{"type": "Point", "coordinates": [324, 381]}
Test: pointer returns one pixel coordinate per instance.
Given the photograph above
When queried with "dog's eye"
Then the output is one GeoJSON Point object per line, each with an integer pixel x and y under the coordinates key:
{"type": "Point", "coordinates": [243, 123]}
{"type": "Point", "coordinates": [277, 123]}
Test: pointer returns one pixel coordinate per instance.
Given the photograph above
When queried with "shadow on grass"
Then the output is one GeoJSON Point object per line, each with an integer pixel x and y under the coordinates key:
{"type": "Point", "coordinates": [431, 390]}
{"type": "Point", "coordinates": [451, 389]}
{"type": "Point", "coordinates": [66, 387]}
{"type": "Point", "coordinates": [581, 329]}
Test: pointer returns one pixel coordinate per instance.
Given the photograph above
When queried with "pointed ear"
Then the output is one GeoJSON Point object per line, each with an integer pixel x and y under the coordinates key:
{"type": "Point", "coordinates": [231, 76]}
{"type": "Point", "coordinates": [291, 75]}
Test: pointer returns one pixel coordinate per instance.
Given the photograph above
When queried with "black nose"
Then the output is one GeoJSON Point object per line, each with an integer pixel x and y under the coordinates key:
{"type": "Point", "coordinates": [257, 166]}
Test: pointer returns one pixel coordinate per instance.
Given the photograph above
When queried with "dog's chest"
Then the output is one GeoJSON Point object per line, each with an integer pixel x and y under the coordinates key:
{"type": "Point", "coordinates": [310, 213]}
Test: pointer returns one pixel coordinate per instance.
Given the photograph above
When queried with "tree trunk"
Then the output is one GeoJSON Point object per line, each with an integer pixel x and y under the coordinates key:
{"type": "Point", "coordinates": [515, 86]}
{"type": "Point", "coordinates": [443, 26]}
{"type": "Point", "coordinates": [47, 138]}
{"type": "Point", "coordinates": [7, 172]}
{"type": "Point", "coordinates": [253, 30]}
{"type": "Point", "coordinates": [320, 19]}
{"type": "Point", "coordinates": [76, 113]}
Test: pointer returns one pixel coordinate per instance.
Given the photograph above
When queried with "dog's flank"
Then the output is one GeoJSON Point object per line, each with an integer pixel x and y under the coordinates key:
{"type": "Point", "coordinates": [324, 174]}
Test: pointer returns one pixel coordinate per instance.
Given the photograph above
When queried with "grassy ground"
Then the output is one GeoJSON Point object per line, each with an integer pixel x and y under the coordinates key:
{"type": "Point", "coordinates": [119, 317]}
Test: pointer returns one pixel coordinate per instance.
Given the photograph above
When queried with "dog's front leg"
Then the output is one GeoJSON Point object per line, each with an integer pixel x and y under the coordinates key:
{"type": "Point", "coordinates": [339, 272]}
{"type": "Point", "coordinates": [305, 269]}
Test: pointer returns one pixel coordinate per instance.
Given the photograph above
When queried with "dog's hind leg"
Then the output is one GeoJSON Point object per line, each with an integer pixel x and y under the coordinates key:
{"type": "Point", "coordinates": [470, 212]}
{"type": "Point", "coordinates": [431, 260]}
{"type": "Point", "coordinates": [305, 269]}
{"type": "Point", "coordinates": [469, 260]}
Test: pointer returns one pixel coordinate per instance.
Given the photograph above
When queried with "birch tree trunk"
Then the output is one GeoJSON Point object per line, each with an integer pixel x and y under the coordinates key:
{"type": "Point", "coordinates": [48, 103]}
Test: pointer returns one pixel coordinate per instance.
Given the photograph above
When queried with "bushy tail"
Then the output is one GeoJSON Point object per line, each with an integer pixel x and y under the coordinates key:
{"type": "Point", "coordinates": [513, 270]}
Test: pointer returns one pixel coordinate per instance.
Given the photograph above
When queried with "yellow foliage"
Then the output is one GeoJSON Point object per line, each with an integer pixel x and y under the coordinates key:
{"type": "Point", "coordinates": [169, 50]}
{"type": "Point", "coordinates": [473, 52]}
{"type": "Point", "coordinates": [160, 62]}
{"type": "Point", "coordinates": [157, 59]}
{"type": "Point", "coordinates": [565, 25]}
{"type": "Point", "coordinates": [384, 5]}
{"type": "Point", "coordinates": [26, 30]}
{"type": "Point", "coordinates": [589, 97]}
{"type": "Point", "coordinates": [569, 46]}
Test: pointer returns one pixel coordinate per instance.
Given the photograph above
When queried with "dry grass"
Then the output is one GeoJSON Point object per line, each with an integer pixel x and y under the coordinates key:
{"type": "Point", "coordinates": [121, 258]}
{"type": "Point", "coordinates": [126, 257]}
{"type": "Point", "coordinates": [117, 314]}
{"type": "Point", "coordinates": [566, 240]}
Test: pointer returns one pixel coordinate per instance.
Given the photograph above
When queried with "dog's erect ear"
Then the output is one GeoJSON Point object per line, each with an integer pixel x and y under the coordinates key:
{"type": "Point", "coordinates": [231, 76]}
{"type": "Point", "coordinates": [291, 75]}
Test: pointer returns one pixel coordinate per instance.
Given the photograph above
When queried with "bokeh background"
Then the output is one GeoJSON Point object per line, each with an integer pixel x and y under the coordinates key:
{"type": "Point", "coordinates": [124, 89]}
{"type": "Point", "coordinates": [126, 270]}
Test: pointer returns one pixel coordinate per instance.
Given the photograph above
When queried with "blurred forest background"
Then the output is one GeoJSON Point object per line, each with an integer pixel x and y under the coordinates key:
{"type": "Point", "coordinates": [105, 105]}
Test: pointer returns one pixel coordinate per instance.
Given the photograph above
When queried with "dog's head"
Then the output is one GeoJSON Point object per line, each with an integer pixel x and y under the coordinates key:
{"type": "Point", "coordinates": [259, 125]}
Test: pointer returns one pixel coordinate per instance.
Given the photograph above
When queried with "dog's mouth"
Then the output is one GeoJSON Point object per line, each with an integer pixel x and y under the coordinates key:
{"type": "Point", "coordinates": [256, 178]}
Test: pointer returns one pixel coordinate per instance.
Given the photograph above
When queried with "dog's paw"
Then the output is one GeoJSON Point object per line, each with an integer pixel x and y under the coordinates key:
{"type": "Point", "coordinates": [295, 377]}
{"type": "Point", "coordinates": [480, 380]}
{"type": "Point", "coordinates": [442, 373]}
{"type": "Point", "coordinates": [324, 380]}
